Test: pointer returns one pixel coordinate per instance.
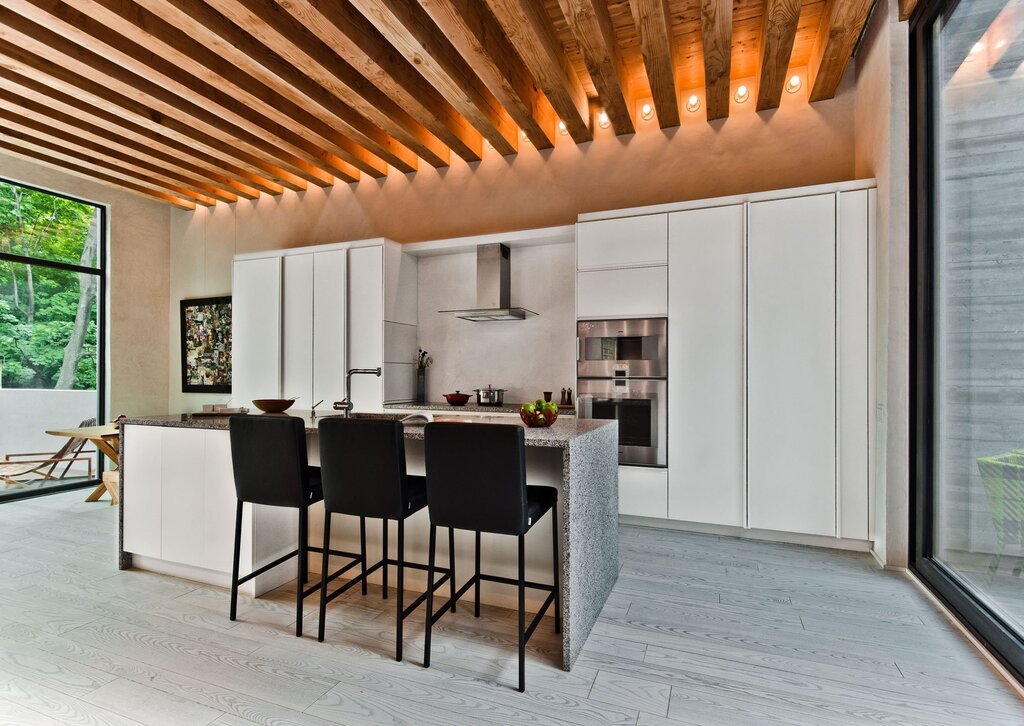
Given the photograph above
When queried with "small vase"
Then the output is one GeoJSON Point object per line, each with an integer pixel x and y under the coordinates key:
{"type": "Point", "coordinates": [421, 385]}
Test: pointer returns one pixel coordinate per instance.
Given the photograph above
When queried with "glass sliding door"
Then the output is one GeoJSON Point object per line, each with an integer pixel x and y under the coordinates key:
{"type": "Point", "coordinates": [968, 425]}
{"type": "Point", "coordinates": [51, 338]}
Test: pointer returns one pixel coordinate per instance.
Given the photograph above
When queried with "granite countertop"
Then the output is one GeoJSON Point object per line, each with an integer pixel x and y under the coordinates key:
{"type": "Point", "coordinates": [510, 408]}
{"type": "Point", "coordinates": [559, 435]}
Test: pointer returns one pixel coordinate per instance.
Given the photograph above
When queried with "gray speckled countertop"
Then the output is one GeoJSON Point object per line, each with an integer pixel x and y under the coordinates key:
{"type": "Point", "coordinates": [559, 435]}
{"type": "Point", "coordinates": [510, 408]}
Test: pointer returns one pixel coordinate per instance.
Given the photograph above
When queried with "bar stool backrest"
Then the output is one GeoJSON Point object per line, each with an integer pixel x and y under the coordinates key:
{"type": "Point", "coordinates": [476, 476]}
{"type": "Point", "coordinates": [268, 455]}
{"type": "Point", "coordinates": [362, 467]}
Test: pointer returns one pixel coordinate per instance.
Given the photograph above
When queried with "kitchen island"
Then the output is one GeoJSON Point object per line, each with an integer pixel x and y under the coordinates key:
{"type": "Point", "coordinates": [178, 502]}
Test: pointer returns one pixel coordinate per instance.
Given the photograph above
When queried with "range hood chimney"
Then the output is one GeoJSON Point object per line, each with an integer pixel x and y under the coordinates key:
{"type": "Point", "coordinates": [493, 287]}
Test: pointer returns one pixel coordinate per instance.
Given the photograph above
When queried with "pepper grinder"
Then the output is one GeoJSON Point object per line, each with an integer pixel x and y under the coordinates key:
{"type": "Point", "coordinates": [561, 401]}
{"type": "Point", "coordinates": [568, 397]}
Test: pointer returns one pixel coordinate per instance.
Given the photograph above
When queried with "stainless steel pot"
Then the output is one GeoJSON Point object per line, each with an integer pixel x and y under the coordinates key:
{"type": "Point", "coordinates": [490, 396]}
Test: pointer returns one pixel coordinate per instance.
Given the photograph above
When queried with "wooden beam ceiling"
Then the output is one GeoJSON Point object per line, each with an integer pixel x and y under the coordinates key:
{"type": "Point", "coordinates": [204, 101]}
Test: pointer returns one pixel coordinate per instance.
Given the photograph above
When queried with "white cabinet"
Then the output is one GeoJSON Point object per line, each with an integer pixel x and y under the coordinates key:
{"type": "Point", "coordinates": [142, 472]}
{"type": "Point", "coordinates": [625, 242]}
{"type": "Point", "coordinates": [182, 496]}
{"type": "Point", "coordinates": [625, 293]}
{"type": "Point", "coordinates": [330, 317]}
{"type": "Point", "coordinates": [366, 324]}
{"type": "Point", "coordinates": [297, 341]}
{"type": "Point", "coordinates": [643, 491]}
{"type": "Point", "coordinates": [706, 376]}
{"type": "Point", "coordinates": [256, 330]}
{"type": "Point", "coordinates": [791, 365]}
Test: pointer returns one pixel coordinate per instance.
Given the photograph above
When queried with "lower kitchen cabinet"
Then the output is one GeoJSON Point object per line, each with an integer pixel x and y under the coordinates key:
{"type": "Point", "coordinates": [643, 491]}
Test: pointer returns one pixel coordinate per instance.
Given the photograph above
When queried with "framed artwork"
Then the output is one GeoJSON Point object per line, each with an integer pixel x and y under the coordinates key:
{"type": "Point", "coordinates": [206, 345]}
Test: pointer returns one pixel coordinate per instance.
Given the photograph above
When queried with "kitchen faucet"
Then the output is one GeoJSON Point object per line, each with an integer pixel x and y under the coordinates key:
{"type": "Point", "coordinates": [346, 404]}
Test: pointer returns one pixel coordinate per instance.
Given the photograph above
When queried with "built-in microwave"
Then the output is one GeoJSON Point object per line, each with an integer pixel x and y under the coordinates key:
{"type": "Point", "coordinates": [622, 348]}
{"type": "Point", "coordinates": [639, 405]}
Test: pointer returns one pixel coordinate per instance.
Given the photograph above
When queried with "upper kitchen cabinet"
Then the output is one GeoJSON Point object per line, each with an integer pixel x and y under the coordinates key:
{"type": "Point", "coordinates": [330, 325]}
{"type": "Point", "coordinates": [624, 242]}
{"type": "Point", "coordinates": [297, 330]}
{"type": "Point", "coordinates": [256, 329]}
{"type": "Point", "coordinates": [629, 292]}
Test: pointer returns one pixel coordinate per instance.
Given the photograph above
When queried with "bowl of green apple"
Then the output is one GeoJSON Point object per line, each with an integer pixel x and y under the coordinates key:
{"type": "Point", "coordinates": [539, 414]}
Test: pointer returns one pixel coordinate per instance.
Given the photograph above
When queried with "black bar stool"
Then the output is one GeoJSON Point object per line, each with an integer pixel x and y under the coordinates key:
{"type": "Point", "coordinates": [476, 480]}
{"type": "Point", "coordinates": [268, 456]}
{"type": "Point", "coordinates": [363, 467]}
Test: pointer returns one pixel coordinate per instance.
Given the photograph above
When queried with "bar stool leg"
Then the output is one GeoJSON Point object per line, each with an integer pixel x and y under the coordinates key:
{"type": "Point", "coordinates": [323, 575]}
{"type": "Point", "coordinates": [234, 564]}
{"type": "Point", "coordinates": [476, 587]}
{"type": "Point", "coordinates": [384, 575]}
{"type": "Point", "coordinates": [430, 595]}
{"type": "Point", "coordinates": [302, 574]}
{"type": "Point", "coordinates": [400, 605]}
{"type": "Point", "coordinates": [451, 564]}
{"type": "Point", "coordinates": [362, 548]}
{"type": "Point", "coordinates": [556, 565]}
{"type": "Point", "coordinates": [522, 613]}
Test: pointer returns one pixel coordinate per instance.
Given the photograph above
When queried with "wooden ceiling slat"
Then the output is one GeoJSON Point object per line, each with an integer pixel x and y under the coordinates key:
{"type": "Point", "coordinates": [68, 36]}
{"type": "Point", "coordinates": [530, 31]}
{"type": "Point", "coordinates": [136, 138]}
{"type": "Point", "coordinates": [96, 93]}
{"type": "Point", "coordinates": [778, 32]}
{"type": "Point", "coordinates": [476, 34]}
{"type": "Point", "coordinates": [107, 156]}
{"type": "Point", "coordinates": [592, 27]}
{"type": "Point", "coordinates": [352, 138]}
{"type": "Point", "coordinates": [65, 165]}
{"type": "Point", "coordinates": [654, 27]}
{"type": "Point", "coordinates": [841, 24]}
{"type": "Point", "coordinates": [409, 29]}
{"type": "Point", "coordinates": [716, 34]}
{"type": "Point", "coordinates": [292, 44]}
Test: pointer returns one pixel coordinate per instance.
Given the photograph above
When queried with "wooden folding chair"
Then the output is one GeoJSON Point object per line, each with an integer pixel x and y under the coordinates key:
{"type": "Point", "coordinates": [44, 468]}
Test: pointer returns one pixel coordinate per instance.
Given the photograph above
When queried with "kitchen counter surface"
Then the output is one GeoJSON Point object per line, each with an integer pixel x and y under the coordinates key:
{"type": "Point", "coordinates": [508, 408]}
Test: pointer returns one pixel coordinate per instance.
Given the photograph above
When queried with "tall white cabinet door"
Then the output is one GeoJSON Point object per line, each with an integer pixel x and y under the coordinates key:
{"type": "Point", "coordinates": [853, 356]}
{"type": "Point", "coordinates": [297, 346]}
{"type": "Point", "coordinates": [143, 484]}
{"type": "Point", "coordinates": [705, 342]}
{"type": "Point", "coordinates": [366, 324]}
{"type": "Point", "coordinates": [330, 283]}
{"type": "Point", "coordinates": [791, 363]}
{"type": "Point", "coordinates": [256, 330]}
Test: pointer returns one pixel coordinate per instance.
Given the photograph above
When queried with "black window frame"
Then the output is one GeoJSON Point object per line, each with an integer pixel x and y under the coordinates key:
{"type": "Point", "coordinates": [101, 334]}
{"type": "Point", "coordinates": [1005, 644]}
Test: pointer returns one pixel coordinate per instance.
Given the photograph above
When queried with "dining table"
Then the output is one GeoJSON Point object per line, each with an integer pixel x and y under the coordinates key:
{"type": "Point", "coordinates": [105, 438]}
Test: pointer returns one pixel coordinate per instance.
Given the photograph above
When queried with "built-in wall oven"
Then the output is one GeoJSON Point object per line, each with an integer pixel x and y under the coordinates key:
{"type": "Point", "coordinates": [621, 374]}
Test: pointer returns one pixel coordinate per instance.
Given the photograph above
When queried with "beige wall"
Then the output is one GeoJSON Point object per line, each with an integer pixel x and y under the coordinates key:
{"type": "Point", "coordinates": [138, 284]}
{"type": "Point", "coordinates": [882, 151]}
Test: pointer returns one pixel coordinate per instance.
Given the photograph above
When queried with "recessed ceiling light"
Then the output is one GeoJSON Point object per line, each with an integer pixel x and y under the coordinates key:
{"type": "Point", "coordinates": [647, 112]}
{"type": "Point", "coordinates": [562, 129]}
{"type": "Point", "coordinates": [742, 94]}
{"type": "Point", "coordinates": [793, 84]}
{"type": "Point", "coordinates": [693, 104]}
{"type": "Point", "coordinates": [524, 136]}
{"type": "Point", "coordinates": [602, 120]}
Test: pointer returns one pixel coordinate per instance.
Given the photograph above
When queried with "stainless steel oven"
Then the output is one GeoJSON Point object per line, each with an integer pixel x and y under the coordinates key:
{"type": "Point", "coordinates": [639, 405]}
{"type": "Point", "coordinates": [632, 348]}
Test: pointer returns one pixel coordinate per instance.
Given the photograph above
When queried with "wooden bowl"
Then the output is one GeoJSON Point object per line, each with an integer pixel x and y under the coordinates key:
{"type": "Point", "coordinates": [273, 405]}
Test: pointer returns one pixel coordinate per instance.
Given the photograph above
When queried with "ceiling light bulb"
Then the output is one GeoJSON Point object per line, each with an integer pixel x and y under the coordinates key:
{"type": "Point", "coordinates": [562, 129]}
{"type": "Point", "coordinates": [742, 94]}
{"type": "Point", "coordinates": [793, 84]}
{"type": "Point", "coordinates": [524, 136]}
{"type": "Point", "coordinates": [602, 120]}
{"type": "Point", "coordinates": [647, 112]}
{"type": "Point", "coordinates": [693, 104]}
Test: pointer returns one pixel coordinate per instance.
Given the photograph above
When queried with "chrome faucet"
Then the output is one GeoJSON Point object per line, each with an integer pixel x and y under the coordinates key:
{"type": "Point", "coordinates": [346, 404]}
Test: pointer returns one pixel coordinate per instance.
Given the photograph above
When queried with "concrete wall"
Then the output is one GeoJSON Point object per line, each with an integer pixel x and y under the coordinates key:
{"type": "Point", "coordinates": [27, 413]}
{"type": "Point", "coordinates": [882, 150]}
{"type": "Point", "coordinates": [138, 274]}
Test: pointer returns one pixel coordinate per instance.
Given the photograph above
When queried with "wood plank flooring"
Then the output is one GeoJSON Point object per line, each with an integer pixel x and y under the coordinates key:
{"type": "Point", "coordinates": [699, 630]}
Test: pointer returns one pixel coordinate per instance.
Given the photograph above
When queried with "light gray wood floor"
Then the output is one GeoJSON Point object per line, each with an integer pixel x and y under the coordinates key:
{"type": "Point", "coordinates": [699, 630]}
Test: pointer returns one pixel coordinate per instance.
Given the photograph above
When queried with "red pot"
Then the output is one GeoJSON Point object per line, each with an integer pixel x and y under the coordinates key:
{"type": "Point", "coordinates": [457, 398]}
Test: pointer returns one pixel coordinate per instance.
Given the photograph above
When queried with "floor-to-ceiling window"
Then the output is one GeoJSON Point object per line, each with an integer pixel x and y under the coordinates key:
{"type": "Point", "coordinates": [51, 338]}
{"type": "Point", "coordinates": [968, 297]}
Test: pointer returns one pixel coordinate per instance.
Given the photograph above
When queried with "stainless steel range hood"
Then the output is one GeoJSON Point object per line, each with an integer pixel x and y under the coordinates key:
{"type": "Point", "coordinates": [493, 288]}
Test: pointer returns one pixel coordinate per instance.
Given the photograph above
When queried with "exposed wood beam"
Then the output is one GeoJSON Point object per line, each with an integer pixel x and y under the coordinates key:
{"type": "Point", "coordinates": [338, 24]}
{"type": "Point", "coordinates": [409, 29]}
{"type": "Point", "coordinates": [67, 166]}
{"type": "Point", "coordinates": [530, 31]}
{"type": "Point", "coordinates": [655, 29]}
{"type": "Point", "coordinates": [96, 93]}
{"type": "Point", "coordinates": [778, 31]}
{"type": "Point", "coordinates": [591, 26]}
{"type": "Point", "coordinates": [347, 134]}
{"type": "Point", "coordinates": [907, 8]}
{"type": "Point", "coordinates": [840, 27]}
{"type": "Point", "coordinates": [59, 139]}
{"type": "Point", "coordinates": [716, 35]}
{"type": "Point", "coordinates": [476, 34]}
{"type": "Point", "coordinates": [291, 43]}
{"type": "Point", "coordinates": [68, 36]}
{"type": "Point", "coordinates": [113, 128]}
